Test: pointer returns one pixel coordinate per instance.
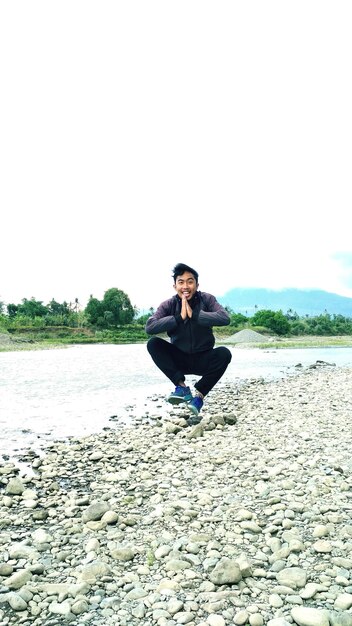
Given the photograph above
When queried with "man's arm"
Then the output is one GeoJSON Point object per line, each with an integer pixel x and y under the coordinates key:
{"type": "Point", "coordinates": [215, 314]}
{"type": "Point", "coordinates": [162, 320]}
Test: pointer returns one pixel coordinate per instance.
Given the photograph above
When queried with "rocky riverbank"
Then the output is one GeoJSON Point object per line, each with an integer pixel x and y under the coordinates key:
{"type": "Point", "coordinates": [243, 519]}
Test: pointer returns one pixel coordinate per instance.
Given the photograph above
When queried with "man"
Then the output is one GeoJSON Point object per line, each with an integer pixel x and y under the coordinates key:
{"type": "Point", "coordinates": [188, 318]}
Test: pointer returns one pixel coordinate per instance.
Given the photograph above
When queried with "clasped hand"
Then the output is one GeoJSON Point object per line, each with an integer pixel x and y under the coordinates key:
{"type": "Point", "coordinates": [186, 310]}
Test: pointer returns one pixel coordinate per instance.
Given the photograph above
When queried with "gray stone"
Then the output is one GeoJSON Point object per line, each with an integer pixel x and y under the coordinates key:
{"type": "Point", "coordinates": [14, 487]}
{"type": "Point", "coordinates": [306, 616]}
{"type": "Point", "coordinates": [340, 618]}
{"type": "Point", "coordinates": [225, 572]}
{"type": "Point", "coordinates": [294, 577]}
{"type": "Point", "coordinates": [18, 579]}
{"type": "Point", "coordinates": [343, 601]}
{"type": "Point", "coordinates": [16, 602]}
{"type": "Point", "coordinates": [95, 511]}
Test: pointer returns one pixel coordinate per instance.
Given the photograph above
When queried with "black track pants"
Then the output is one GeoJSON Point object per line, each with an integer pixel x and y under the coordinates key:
{"type": "Point", "coordinates": [175, 364]}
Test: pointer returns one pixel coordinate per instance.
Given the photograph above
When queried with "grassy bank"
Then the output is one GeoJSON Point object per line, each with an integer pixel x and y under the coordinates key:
{"type": "Point", "coordinates": [308, 342]}
{"type": "Point", "coordinates": [54, 337]}
{"type": "Point", "coordinates": [43, 340]}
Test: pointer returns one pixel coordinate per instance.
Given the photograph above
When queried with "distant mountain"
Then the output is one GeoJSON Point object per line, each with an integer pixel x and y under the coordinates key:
{"type": "Point", "coordinates": [301, 301]}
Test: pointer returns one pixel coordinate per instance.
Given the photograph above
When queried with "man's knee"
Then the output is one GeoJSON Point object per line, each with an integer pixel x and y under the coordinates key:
{"type": "Point", "coordinates": [154, 344]}
{"type": "Point", "coordinates": [225, 354]}
{"type": "Point", "coordinates": [151, 343]}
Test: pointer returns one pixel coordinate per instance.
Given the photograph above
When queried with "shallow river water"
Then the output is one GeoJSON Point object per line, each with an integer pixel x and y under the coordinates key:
{"type": "Point", "coordinates": [47, 395]}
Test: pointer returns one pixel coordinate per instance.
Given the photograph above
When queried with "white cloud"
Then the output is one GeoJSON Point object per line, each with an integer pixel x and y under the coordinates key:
{"type": "Point", "coordinates": [136, 135]}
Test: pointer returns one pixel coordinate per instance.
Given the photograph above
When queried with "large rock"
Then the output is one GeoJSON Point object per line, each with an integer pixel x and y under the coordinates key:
{"type": "Point", "coordinates": [226, 572]}
{"type": "Point", "coordinates": [306, 616]}
{"type": "Point", "coordinates": [293, 577]}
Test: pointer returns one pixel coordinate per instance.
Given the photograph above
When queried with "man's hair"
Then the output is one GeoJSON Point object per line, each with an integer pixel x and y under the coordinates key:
{"type": "Point", "coordinates": [181, 268]}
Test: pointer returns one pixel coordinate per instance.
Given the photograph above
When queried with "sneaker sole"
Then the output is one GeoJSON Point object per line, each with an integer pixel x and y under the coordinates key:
{"type": "Point", "coordinates": [193, 409]}
{"type": "Point", "coordinates": [176, 400]}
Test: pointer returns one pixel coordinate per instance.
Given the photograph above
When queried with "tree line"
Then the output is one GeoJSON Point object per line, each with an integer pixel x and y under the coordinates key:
{"type": "Point", "coordinates": [115, 311]}
{"type": "Point", "coordinates": [291, 323]}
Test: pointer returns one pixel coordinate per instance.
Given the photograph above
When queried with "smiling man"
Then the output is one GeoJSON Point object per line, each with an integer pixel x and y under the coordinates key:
{"type": "Point", "coordinates": [188, 319]}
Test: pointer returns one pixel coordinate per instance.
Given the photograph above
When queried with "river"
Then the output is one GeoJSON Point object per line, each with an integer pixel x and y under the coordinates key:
{"type": "Point", "coordinates": [49, 395]}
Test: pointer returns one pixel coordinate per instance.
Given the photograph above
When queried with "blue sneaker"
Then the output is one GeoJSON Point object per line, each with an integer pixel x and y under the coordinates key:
{"type": "Point", "coordinates": [181, 394]}
{"type": "Point", "coordinates": [195, 405]}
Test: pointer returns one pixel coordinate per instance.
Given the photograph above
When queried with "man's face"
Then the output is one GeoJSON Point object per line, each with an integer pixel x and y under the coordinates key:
{"type": "Point", "coordinates": [186, 285]}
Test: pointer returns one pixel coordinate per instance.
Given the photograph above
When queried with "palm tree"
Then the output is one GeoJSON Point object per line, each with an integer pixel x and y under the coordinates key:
{"type": "Point", "coordinates": [75, 308]}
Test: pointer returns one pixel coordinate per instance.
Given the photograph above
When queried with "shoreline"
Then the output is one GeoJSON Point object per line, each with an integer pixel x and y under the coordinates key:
{"type": "Point", "coordinates": [275, 343]}
{"type": "Point", "coordinates": [245, 518]}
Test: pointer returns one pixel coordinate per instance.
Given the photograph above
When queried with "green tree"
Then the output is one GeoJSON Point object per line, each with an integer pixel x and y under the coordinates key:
{"type": "Point", "coordinates": [280, 324]}
{"type": "Point", "coordinates": [114, 310]}
{"type": "Point", "coordinates": [292, 316]}
{"type": "Point", "coordinates": [55, 308]}
{"type": "Point", "coordinates": [12, 310]}
{"type": "Point", "coordinates": [32, 308]}
{"type": "Point", "coordinates": [94, 311]}
{"type": "Point", "coordinates": [58, 314]}
{"type": "Point", "coordinates": [238, 319]}
{"type": "Point", "coordinates": [274, 320]}
{"type": "Point", "coordinates": [119, 307]}
{"type": "Point", "coordinates": [323, 325]}
{"type": "Point", "coordinates": [74, 308]}
{"type": "Point", "coordinates": [298, 327]}
{"type": "Point", "coordinates": [142, 319]}
{"type": "Point", "coordinates": [342, 325]}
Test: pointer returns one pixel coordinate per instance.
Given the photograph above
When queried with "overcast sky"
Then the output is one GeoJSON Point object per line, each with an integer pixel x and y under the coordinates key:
{"type": "Point", "coordinates": [138, 134]}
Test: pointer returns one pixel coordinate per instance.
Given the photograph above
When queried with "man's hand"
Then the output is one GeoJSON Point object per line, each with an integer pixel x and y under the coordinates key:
{"type": "Point", "coordinates": [186, 310]}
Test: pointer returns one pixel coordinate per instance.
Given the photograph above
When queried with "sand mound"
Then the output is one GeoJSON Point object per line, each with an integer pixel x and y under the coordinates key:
{"type": "Point", "coordinates": [246, 336]}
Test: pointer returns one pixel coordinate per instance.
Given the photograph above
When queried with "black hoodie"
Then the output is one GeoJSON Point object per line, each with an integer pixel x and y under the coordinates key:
{"type": "Point", "coordinates": [193, 334]}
